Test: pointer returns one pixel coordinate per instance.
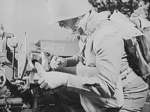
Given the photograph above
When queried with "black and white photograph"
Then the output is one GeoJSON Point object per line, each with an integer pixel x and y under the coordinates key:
{"type": "Point", "coordinates": [74, 56]}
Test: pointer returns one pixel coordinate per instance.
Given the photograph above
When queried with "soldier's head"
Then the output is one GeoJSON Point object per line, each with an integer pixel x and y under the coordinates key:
{"type": "Point", "coordinates": [127, 7]}
{"type": "Point", "coordinates": [70, 23]}
{"type": "Point", "coordinates": [103, 5]}
{"type": "Point", "coordinates": [130, 6]}
{"type": "Point", "coordinates": [67, 12]}
{"type": "Point", "coordinates": [60, 10]}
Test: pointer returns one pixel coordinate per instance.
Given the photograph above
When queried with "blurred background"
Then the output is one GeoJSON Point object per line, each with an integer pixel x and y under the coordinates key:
{"type": "Point", "coordinates": [30, 18]}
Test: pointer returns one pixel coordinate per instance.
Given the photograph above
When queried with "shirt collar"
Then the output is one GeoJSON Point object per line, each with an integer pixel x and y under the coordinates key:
{"type": "Point", "coordinates": [119, 18]}
{"type": "Point", "coordinates": [93, 18]}
{"type": "Point", "coordinates": [125, 26]}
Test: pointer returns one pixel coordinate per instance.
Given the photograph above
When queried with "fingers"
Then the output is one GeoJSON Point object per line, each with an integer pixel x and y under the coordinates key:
{"type": "Point", "coordinates": [52, 80]}
{"type": "Point", "coordinates": [44, 85]}
{"type": "Point", "coordinates": [41, 80]}
{"type": "Point", "coordinates": [57, 63]}
{"type": "Point", "coordinates": [54, 63]}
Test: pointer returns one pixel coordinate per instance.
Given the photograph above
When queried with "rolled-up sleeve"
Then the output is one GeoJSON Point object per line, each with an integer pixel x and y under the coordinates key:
{"type": "Point", "coordinates": [72, 61]}
{"type": "Point", "coordinates": [102, 79]}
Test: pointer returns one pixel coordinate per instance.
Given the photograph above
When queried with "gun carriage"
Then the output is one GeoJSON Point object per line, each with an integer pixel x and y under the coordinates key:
{"type": "Point", "coordinates": [19, 91]}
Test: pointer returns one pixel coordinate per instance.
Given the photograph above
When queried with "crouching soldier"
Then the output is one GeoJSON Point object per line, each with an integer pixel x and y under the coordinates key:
{"type": "Point", "coordinates": [103, 77]}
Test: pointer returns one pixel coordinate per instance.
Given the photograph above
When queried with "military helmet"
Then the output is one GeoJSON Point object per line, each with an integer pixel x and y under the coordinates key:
{"type": "Point", "coordinates": [59, 10]}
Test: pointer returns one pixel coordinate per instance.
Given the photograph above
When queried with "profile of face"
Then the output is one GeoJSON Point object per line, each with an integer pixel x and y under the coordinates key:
{"type": "Point", "coordinates": [69, 23]}
{"type": "Point", "coordinates": [72, 24]}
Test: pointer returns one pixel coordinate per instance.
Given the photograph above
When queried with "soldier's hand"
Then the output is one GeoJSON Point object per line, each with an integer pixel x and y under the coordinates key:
{"type": "Point", "coordinates": [50, 80]}
{"type": "Point", "coordinates": [57, 63]}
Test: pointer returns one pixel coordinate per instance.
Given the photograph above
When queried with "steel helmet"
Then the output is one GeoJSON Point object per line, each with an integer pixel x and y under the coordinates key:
{"type": "Point", "coordinates": [66, 9]}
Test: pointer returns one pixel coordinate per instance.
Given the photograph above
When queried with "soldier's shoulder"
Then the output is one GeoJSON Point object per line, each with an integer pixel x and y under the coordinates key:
{"type": "Point", "coordinates": [107, 30]}
{"type": "Point", "coordinates": [109, 35]}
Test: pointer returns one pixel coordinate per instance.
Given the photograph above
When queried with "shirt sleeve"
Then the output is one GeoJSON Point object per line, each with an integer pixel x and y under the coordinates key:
{"type": "Point", "coordinates": [70, 66]}
{"type": "Point", "coordinates": [72, 61]}
{"type": "Point", "coordinates": [102, 79]}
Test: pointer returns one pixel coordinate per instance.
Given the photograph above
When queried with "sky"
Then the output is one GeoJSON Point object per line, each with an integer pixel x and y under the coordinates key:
{"type": "Point", "coordinates": [32, 17]}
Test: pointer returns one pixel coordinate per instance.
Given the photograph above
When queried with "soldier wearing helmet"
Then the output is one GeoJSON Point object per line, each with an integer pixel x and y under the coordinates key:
{"type": "Point", "coordinates": [100, 64]}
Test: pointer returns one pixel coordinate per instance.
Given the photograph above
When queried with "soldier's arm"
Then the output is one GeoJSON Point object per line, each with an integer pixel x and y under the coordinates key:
{"type": "Point", "coordinates": [102, 79]}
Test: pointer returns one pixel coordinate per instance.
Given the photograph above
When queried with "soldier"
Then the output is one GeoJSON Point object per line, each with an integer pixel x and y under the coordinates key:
{"type": "Point", "coordinates": [130, 27]}
{"type": "Point", "coordinates": [102, 67]}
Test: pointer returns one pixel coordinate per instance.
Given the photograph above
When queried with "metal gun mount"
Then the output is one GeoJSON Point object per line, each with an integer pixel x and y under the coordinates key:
{"type": "Point", "coordinates": [23, 93]}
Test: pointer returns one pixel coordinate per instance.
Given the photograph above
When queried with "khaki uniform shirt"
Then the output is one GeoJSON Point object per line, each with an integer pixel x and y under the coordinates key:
{"type": "Point", "coordinates": [98, 78]}
{"type": "Point", "coordinates": [103, 64]}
